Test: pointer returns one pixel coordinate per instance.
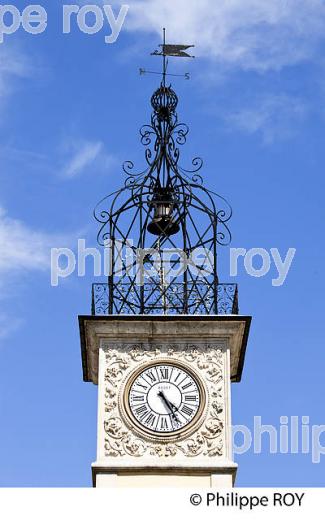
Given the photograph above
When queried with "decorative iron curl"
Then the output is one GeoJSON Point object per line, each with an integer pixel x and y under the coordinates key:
{"type": "Point", "coordinates": [181, 130]}
{"type": "Point", "coordinates": [146, 133]}
{"type": "Point", "coordinates": [192, 175]}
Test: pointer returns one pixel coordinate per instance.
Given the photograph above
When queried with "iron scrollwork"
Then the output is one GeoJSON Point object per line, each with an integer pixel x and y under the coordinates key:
{"type": "Point", "coordinates": [163, 207]}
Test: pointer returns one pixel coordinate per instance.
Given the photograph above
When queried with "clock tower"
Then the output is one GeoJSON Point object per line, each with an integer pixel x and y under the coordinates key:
{"type": "Point", "coordinates": [165, 339]}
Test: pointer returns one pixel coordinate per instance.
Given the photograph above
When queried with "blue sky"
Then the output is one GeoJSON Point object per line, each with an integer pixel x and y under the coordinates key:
{"type": "Point", "coordinates": [70, 110]}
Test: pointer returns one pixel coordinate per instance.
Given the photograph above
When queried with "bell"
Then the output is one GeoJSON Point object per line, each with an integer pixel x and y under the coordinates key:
{"type": "Point", "coordinates": [163, 222]}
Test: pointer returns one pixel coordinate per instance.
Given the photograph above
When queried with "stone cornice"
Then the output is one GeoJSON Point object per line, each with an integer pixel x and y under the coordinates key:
{"type": "Point", "coordinates": [233, 329]}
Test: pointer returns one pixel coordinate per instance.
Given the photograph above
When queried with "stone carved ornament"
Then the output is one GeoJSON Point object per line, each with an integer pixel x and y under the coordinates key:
{"type": "Point", "coordinates": [206, 441]}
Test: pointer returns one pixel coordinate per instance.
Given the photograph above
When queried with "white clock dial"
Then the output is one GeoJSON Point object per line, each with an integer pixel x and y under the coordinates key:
{"type": "Point", "coordinates": [164, 398]}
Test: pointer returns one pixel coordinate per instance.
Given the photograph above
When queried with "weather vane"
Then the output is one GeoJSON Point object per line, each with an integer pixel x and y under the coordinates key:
{"type": "Point", "coordinates": [175, 51]}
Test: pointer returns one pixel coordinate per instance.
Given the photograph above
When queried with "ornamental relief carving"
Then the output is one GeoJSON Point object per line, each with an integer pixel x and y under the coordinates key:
{"type": "Point", "coordinates": [207, 440]}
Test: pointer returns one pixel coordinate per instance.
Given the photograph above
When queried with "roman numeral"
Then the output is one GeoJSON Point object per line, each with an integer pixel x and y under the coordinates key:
{"type": "Point", "coordinates": [182, 381]}
{"type": "Point", "coordinates": [150, 420]}
{"type": "Point", "coordinates": [141, 386]}
{"type": "Point", "coordinates": [177, 377]}
{"type": "Point", "coordinates": [137, 398]}
{"type": "Point", "coordinates": [191, 398]}
{"type": "Point", "coordinates": [151, 376]}
{"type": "Point", "coordinates": [164, 373]}
{"type": "Point", "coordinates": [186, 386]}
{"type": "Point", "coordinates": [142, 410]}
{"type": "Point", "coordinates": [188, 411]}
{"type": "Point", "coordinates": [163, 423]}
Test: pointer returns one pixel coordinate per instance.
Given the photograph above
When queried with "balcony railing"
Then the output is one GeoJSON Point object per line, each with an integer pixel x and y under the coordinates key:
{"type": "Point", "coordinates": [200, 299]}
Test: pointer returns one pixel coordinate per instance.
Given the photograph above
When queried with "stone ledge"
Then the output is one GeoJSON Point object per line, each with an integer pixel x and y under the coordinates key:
{"type": "Point", "coordinates": [154, 329]}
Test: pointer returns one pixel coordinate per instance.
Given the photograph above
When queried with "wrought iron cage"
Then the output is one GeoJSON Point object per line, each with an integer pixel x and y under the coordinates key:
{"type": "Point", "coordinates": [161, 230]}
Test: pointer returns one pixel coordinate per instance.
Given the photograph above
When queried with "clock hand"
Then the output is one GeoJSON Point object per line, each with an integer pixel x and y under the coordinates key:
{"type": "Point", "coordinates": [164, 398]}
{"type": "Point", "coordinates": [161, 394]}
{"type": "Point", "coordinates": [169, 405]}
{"type": "Point", "coordinates": [174, 406]}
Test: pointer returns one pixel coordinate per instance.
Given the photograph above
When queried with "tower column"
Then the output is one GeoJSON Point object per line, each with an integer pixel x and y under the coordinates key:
{"type": "Point", "coordinates": [195, 356]}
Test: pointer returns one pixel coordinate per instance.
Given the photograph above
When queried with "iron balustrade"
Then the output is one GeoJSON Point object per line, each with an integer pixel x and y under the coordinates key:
{"type": "Point", "coordinates": [169, 300]}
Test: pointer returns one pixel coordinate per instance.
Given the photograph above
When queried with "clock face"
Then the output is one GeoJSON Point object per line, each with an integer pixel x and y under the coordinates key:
{"type": "Point", "coordinates": [164, 398]}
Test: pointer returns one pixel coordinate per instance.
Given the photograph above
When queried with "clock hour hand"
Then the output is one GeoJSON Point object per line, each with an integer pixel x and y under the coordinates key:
{"type": "Point", "coordinates": [169, 405]}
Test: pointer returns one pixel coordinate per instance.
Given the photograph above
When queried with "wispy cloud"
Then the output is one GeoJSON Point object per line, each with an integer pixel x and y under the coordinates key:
{"type": "Point", "coordinates": [14, 64]}
{"type": "Point", "coordinates": [23, 248]}
{"type": "Point", "coordinates": [256, 35]}
{"type": "Point", "coordinates": [72, 158]}
{"type": "Point", "coordinates": [8, 325]}
{"type": "Point", "coordinates": [82, 158]}
{"type": "Point", "coordinates": [80, 155]}
{"type": "Point", "coordinates": [274, 117]}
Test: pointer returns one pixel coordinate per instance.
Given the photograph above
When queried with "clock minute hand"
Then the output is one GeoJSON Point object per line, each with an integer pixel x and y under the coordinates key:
{"type": "Point", "coordinates": [169, 405]}
{"type": "Point", "coordinates": [164, 398]}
